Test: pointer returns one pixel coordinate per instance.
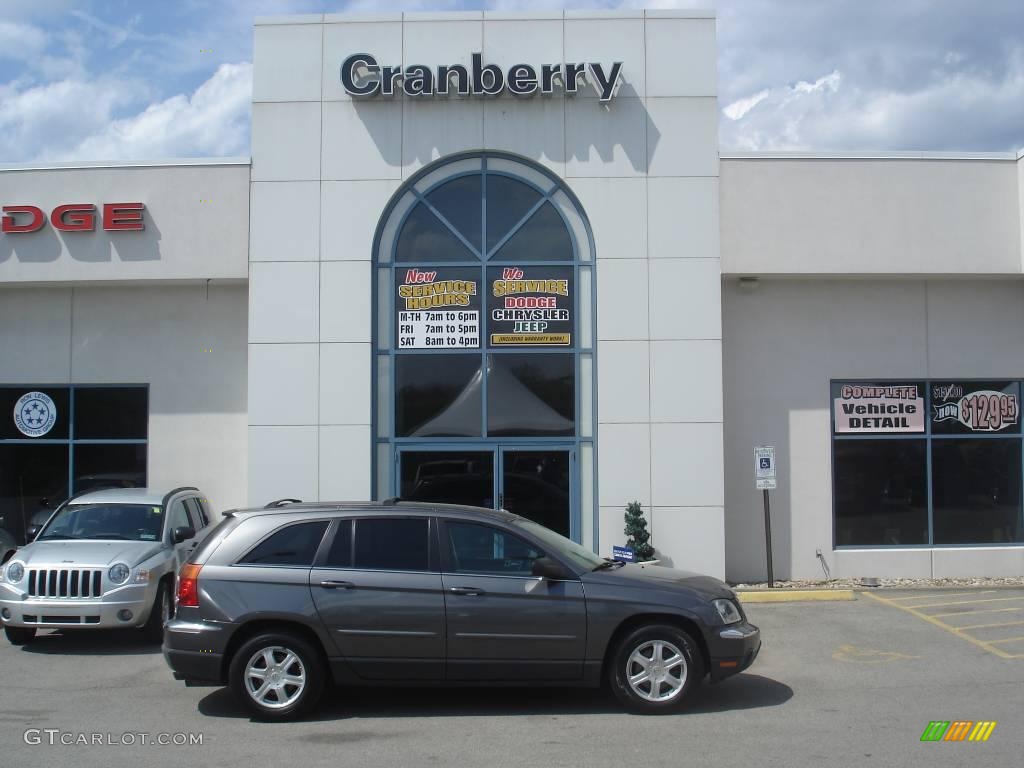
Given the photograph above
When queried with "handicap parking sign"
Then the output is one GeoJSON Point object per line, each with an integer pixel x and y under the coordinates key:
{"type": "Point", "coordinates": [764, 467]}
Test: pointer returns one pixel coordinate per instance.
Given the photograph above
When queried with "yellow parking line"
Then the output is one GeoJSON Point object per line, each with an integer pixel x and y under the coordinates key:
{"type": "Point", "coordinates": [972, 613]}
{"type": "Point", "coordinates": [1007, 640]}
{"type": "Point", "coordinates": [941, 625]}
{"type": "Point", "coordinates": [970, 602]}
{"type": "Point", "coordinates": [986, 626]}
{"type": "Point", "coordinates": [947, 594]}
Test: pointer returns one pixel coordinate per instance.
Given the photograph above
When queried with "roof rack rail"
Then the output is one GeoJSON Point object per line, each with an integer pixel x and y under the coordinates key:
{"type": "Point", "coordinates": [281, 503]}
{"type": "Point", "coordinates": [392, 501]}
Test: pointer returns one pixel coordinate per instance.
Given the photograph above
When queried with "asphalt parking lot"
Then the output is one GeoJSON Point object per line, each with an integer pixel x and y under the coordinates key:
{"type": "Point", "coordinates": [844, 683]}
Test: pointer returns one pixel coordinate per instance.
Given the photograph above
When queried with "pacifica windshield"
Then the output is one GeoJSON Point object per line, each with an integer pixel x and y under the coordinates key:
{"type": "Point", "coordinates": [122, 522]}
{"type": "Point", "coordinates": [555, 542]}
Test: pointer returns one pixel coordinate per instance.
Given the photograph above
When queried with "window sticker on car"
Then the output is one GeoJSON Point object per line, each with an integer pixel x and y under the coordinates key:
{"type": "Point", "coordinates": [147, 536]}
{"type": "Point", "coordinates": [156, 511]}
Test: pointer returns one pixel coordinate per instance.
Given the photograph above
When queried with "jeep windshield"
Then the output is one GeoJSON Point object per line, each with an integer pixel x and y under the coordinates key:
{"type": "Point", "coordinates": [119, 522]}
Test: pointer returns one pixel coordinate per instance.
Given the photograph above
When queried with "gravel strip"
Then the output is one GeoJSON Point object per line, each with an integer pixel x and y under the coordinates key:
{"type": "Point", "coordinates": [1006, 581]}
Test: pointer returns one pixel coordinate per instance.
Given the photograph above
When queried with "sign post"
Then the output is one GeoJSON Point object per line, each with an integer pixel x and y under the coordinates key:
{"type": "Point", "coordinates": [764, 480]}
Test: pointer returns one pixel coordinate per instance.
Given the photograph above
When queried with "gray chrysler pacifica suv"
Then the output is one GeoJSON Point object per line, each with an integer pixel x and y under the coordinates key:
{"type": "Point", "coordinates": [398, 593]}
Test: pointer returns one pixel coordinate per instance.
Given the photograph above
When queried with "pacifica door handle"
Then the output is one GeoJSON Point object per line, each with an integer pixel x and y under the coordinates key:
{"type": "Point", "coordinates": [469, 591]}
{"type": "Point", "coordinates": [329, 584]}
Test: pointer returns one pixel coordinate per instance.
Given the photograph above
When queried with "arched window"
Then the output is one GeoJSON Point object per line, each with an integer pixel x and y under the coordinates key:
{"type": "Point", "coordinates": [484, 339]}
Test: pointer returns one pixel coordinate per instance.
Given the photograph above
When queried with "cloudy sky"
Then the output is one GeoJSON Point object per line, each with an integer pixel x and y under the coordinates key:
{"type": "Point", "coordinates": [119, 79]}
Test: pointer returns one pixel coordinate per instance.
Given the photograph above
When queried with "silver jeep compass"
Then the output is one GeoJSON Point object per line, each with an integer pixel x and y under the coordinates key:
{"type": "Point", "coordinates": [104, 559]}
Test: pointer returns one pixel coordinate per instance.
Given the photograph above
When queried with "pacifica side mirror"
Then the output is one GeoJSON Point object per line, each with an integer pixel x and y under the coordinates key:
{"type": "Point", "coordinates": [547, 568]}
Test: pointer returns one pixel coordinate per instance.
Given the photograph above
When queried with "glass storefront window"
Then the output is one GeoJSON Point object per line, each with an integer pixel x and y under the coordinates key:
{"type": "Point", "coordinates": [881, 492]}
{"type": "Point", "coordinates": [531, 395]}
{"type": "Point", "coordinates": [111, 412]}
{"type": "Point", "coordinates": [976, 491]}
{"type": "Point", "coordinates": [56, 441]}
{"type": "Point", "coordinates": [479, 344]}
{"type": "Point", "coordinates": [438, 396]}
{"type": "Point", "coordinates": [117, 465]}
{"type": "Point", "coordinates": [891, 438]}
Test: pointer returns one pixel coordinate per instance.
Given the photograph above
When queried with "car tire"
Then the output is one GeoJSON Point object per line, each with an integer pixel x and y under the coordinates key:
{"type": "Point", "coordinates": [648, 686]}
{"type": "Point", "coordinates": [153, 629]}
{"type": "Point", "coordinates": [289, 657]}
{"type": "Point", "coordinates": [20, 635]}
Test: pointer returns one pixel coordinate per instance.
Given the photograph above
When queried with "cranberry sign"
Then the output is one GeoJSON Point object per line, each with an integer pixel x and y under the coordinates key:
{"type": "Point", "coordinates": [73, 217]}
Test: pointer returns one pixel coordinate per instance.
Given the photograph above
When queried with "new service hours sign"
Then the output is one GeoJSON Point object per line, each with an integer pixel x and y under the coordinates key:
{"type": "Point", "coordinates": [438, 308]}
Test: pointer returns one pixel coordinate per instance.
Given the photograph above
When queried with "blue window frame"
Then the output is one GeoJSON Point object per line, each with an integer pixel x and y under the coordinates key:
{"type": "Point", "coordinates": [463, 225]}
{"type": "Point", "coordinates": [96, 436]}
{"type": "Point", "coordinates": [927, 463]}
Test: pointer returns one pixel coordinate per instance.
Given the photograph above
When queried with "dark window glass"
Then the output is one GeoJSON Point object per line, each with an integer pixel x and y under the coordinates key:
{"type": "Point", "coordinates": [179, 516]}
{"type": "Point", "coordinates": [508, 201]}
{"type": "Point", "coordinates": [531, 395]}
{"type": "Point", "coordinates": [111, 412]}
{"type": "Point", "coordinates": [544, 237]}
{"type": "Point", "coordinates": [536, 486]}
{"type": "Point", "coordinates": [482, 549]}
{"type": "Point", "coordinates": [975, 407]}
{"type": "Point", "coordinates": [438, 396]}
{"type": "Point", "coordinates": [109, 466]}
{"type": "Point", "coordinates": [976, 491]}
{"type": "Point", "coordinates": [424, 238]}
{"type": "Point", "coordinates": [195, 511]}
{"type": "Point", "coordinates": [449, 477]}
{"type": "Point", "coordinates": [459, 202]}
{"type": "Point", "coordinates": [37, 418]}
{"type": "Point", "coordinates": [33, 482]}
{"type": "Point", "coordinates": [340, 553]}
{"type": "Point", "coordinates": [880, 492]}
{"type": "Point", "coordinates": [295, 545]}
{"type": "Point", "coordinates": [392, 544]}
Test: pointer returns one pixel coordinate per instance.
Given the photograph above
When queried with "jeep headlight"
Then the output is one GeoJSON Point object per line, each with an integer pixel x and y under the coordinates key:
{"type": "Point", "coordinates": [15, 572]}
{"type": "Point", "coordinates": [727, 611]}
{"type": "Point", "coordinates": [118, 573]}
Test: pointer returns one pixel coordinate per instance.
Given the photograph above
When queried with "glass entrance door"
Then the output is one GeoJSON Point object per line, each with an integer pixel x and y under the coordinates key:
{"type": "Point", "coordinates": [452, 476]}
{"type": "Point", "coordinates": [535, 482]}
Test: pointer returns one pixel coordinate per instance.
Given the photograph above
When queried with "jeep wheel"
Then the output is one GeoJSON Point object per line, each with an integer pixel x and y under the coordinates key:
{"type": "Point", "coordinates": [20, 635]}
{"type": "Point", "coordinates": [159, 614]}
{"type": "Point", "coordinates": [654, 668]}
{"type": "Point", "coordinates": [277, 675]}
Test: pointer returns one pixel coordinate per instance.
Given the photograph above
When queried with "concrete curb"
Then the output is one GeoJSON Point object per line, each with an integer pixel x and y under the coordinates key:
{"type": "Point", "coordinates": [795, 595]}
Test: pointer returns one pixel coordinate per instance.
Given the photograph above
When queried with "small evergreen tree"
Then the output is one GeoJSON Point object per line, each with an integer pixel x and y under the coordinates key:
{"type": "Point", "coordinates": [637, 535]}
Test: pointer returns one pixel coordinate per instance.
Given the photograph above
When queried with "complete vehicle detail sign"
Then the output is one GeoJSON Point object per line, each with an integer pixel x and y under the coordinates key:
{"type": "Point", "coordinates": [881, 409]}
{"type": "Point", "coordinates": [438, 308]}
{"type": "Point", "coordinates": [530, 306]}
{"type": "Point", "coordinates": [362, 76]}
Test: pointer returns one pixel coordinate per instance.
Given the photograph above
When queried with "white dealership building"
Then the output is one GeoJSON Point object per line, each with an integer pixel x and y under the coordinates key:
{"type": "Point", "coordinates": [501, 259]}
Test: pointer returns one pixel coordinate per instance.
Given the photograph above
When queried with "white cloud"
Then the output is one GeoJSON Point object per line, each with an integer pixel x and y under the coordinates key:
{"type": "Point", "coordinates": [20, 41]}
{"type": "Point", "coordinates": [213, 121]}
{"type": "Point", "coordinates": [740, 107]}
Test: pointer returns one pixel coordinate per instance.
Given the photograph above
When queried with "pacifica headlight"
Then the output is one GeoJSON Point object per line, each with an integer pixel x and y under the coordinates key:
{"type": "Point", "coordinates": [727, 611]}
{"type": "Point", "coordinates": [15, 572]}
{"type": "Point", "coordinates": [118, 573]}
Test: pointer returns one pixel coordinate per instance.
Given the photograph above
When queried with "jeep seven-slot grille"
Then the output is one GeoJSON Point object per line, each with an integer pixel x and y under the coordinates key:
{"type": "Point", "coordinates": [64, 582]}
